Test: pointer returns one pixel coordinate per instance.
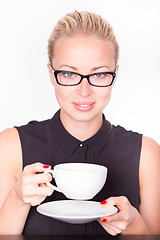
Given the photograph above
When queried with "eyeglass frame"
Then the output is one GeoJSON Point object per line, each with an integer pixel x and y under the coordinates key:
{"type": "Point", "coordinates": [56, 72]}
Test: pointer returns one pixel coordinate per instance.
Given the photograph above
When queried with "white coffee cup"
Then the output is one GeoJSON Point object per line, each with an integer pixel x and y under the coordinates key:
{"type": "Point", "coordinates": [81, 181]}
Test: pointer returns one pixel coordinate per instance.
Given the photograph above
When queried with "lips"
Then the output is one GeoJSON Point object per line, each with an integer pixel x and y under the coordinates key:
{"type": "Point", "coordinates": [84, 106]}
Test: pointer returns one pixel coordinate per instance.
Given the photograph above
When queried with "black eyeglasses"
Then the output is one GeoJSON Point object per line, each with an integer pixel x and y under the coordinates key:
{"type": "Point", "coordinates": [68, 78]}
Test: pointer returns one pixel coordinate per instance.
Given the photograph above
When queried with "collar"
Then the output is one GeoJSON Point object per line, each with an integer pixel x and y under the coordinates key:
{"type": "Point", "coordinates": [69, 143]}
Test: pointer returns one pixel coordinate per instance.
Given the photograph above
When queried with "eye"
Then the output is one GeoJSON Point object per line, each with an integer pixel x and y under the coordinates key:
{"type": "Point", "coordinates": [100, 75]}
{"type": "Point", "coordinates": [68, 74]}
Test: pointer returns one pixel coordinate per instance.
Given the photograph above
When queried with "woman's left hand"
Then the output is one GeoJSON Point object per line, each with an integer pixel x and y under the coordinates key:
{"type": "Point", "coordinates": [123, 221]}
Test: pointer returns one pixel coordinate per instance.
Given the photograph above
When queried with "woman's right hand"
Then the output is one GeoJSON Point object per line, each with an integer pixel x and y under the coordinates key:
{"type": "Point", "coordinates": [31, 187]}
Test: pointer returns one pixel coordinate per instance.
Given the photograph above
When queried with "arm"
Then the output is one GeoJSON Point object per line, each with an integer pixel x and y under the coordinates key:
{"type": "Point", "coordinates": [128, 220]}
{"type": "Point", "coordinates": [18, 190]}
{"type": "Point", "coordinates": [150, 184]}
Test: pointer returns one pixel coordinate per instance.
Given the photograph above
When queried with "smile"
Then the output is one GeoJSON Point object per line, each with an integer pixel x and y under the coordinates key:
{"type": "Point", "coordinates": [84, 106]}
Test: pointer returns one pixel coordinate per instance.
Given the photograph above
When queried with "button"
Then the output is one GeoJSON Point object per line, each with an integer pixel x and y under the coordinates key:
{"type": "Point", "coordinates": [81, 145]}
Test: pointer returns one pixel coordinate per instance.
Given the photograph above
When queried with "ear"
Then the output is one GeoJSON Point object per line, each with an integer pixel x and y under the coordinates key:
{"type": "Point", "coordinates": [50, 73]}
{"type": "Point", "coordinates": [117, 68]}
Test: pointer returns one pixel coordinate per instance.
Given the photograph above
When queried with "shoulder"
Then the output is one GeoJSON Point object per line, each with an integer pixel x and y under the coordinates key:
{"type": "Point", "coordinates": [150, 153]}
{"type": "Point", "coordinates": [33, 126]}
{"type": "Point", "coordinates": [123, 132]}
{"type": "Point", "coordinates": [149, 145]}
{"type": "Point", "coordinates": [10, 150]}
{"type": "Point", "coordinates": [150, 156]}
{"type": "Point", "coordinates": [33, 130]}
{"type": "Point", "coordinates": [127, 139]}
{"type": "Point", "coordinates": [127, 147]}
{"type": "Point", "coordinates": [9, 138]}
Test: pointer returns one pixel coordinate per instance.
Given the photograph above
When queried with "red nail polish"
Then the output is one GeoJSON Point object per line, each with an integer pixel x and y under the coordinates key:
{"type": "Point", "coordinates": [104, 220]}
{"type": "Point", "coordinates": [104, 202]}
{"type": "Point", "coordinates": [46, 166]}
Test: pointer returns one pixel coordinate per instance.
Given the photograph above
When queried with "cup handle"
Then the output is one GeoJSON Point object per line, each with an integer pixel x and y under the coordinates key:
{"type": "Point", "coordinates": [49, 184]}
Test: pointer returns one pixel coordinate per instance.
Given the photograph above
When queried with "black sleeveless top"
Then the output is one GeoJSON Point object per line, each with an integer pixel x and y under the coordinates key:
{"type": "Point", "coordinates": [114, 147]}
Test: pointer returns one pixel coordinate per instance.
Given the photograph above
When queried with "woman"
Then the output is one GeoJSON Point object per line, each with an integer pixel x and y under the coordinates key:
{"type": "Point", "coordinates": [83, 55]}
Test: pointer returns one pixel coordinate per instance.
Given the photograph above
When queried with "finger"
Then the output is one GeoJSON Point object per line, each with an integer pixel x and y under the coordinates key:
{"type": "Point", "coordinates": [120, 202]}
{"type": "Point", "coordinates": [45, 191]}
{"type": "Point", "coordinates": [113, 230]}
{"type": "Point", "coordinates": [40, 191]}
{"type": "Point", "coordinates": [113, 218]}
{"type": "Point", "coordinates": [121, 216]}
{"type": "Point", "coordinates": [41, 184]}
{"type": "Point", "coordinates": [117, 224]}
{"type": "Point", "coordinates": [36, 179]}
{"type": "Point", "coordinates": [118, 220]}
{"type": "Point", "coordinates": [34, 168]}
{"type": "Point", "coordinates": [41, 178]}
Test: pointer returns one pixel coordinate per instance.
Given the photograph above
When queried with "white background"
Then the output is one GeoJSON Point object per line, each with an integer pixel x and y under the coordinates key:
{"type": "Point", "coordinates": [25, 90]}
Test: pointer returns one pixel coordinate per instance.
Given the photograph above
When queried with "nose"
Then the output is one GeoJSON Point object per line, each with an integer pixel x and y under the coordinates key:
{"type": "Point", "coordinates": [84, 88]}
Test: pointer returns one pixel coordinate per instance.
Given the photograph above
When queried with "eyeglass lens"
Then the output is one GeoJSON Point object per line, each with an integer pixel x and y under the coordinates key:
{"type": "Point", "coordinates": [97, 79]}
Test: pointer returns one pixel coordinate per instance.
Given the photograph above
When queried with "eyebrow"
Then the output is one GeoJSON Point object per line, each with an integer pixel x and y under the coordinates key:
{"type": "Point", "coordinates": [76, 69]}
{"type": "Point", "coordinates": [64, 65]}
{"type": "Point", "coordinates": [96, 68]}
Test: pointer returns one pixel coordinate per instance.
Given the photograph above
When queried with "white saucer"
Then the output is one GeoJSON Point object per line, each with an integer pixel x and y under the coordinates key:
{"type": "Point", "coordinates": [74, 211]}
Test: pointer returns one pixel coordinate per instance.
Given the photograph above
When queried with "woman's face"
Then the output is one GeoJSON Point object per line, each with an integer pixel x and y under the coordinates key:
{"type": "Point", "coordinates": [84, 55]}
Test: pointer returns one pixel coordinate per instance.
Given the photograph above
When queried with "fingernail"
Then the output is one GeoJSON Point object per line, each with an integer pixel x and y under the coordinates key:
{"type": "Point", "coordinates": [46, 166]}
{"type": "Point", "coordinates": [104, 220]}
{"type": "Point", "coordinates": [104, 202]}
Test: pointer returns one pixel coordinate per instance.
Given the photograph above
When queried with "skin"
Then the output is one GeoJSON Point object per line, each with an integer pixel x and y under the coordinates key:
{"type": "Point", "coordinates": [19, 190]}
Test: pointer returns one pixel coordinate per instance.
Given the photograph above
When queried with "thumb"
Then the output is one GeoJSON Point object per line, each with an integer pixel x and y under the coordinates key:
{"type": "Point", "coordinates": [109, 202]}
{"type": "Point", "coordinates": [35, 168]}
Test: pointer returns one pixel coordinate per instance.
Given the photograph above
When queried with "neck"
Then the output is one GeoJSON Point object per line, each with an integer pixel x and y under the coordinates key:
{"type": "Point", "coordinates": [81, 130]}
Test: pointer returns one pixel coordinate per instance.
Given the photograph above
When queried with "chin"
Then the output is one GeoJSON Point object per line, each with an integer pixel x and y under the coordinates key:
{"type": "Point", "coordinates": [84, 116]}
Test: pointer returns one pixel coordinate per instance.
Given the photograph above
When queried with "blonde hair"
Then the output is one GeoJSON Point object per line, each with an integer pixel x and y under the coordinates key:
{"type": "Point", "coordinates": [82, 23]}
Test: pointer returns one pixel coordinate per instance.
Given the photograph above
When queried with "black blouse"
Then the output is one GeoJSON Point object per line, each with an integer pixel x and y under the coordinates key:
{"type": "Point", "coordinates": [114, 147]}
